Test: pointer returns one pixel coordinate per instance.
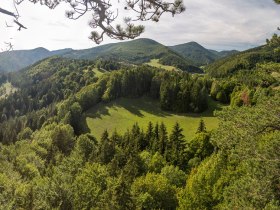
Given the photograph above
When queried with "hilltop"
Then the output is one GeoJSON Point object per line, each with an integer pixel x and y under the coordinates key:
{"type": "Point", "coordinates": [136, 51]}
{"type": "Point", "coordinates": [198, 54]}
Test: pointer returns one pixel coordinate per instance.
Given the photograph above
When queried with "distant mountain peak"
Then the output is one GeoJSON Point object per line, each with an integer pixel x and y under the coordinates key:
{"type": "Point", "coordinates": [18, 59]}
{"type": "Point", "coordinates": [199, 54]}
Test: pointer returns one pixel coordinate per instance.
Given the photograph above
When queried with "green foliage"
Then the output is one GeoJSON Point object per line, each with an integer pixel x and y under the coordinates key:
{"type": "Point", "coordinates": [201, 126]}
{"type": "Point", "coordinates": [242, 96]}
{"type": "Point", "coordinates": [175, 176]}
{"type": "Point", "coordinates": [179, 62]}
{"type": "Point", "coordinates": [198, 149]}
{"type": "Point", "coordinates": [153, 163]}
{"type": "Point", "coordinates": [89, 185]}
{"type": "Point", "coordinates": [243, 173]}
{"type": "Point", "coordinates": [153, 191]}
{"type": "Point", "coordinates": [175, 151]}
{"type": "Point", "coordinates": [106, 149]}
{"type": "Point", "coordinates": [200, 191]}
{"type": "Point", "coordinates": [49, 161]}
{"type": "Point", "coordinates": [221, 96]}
{"type": "Point", "coordinates": [86, 146]}
{"type": "Point", "coordinates": [63, 138]}
{"type": "Point", "coordinates": [246, 60]}
{"type": "Point", "coordinates": [274, 41]}
{"type": "Point", "coordinates": [118, 195]}
{"type": "Point", "coordinates": [25, 134]}
{"type": "Point", "coordinates": [107, 65]}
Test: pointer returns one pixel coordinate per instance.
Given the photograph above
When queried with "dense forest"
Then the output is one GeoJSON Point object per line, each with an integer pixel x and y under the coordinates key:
{"type": "Point", "coordinates": [49, 160]}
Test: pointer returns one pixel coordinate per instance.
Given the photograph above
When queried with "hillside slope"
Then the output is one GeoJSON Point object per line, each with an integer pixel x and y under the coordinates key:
{"type": "Point", "coordinates": [195, 52]}
{"type": "Point", "coordinates": [243, 60]}
{"type": "Point", "coordinates": [136, 51]}
{"type": "Point", "coordinates": [18, 59]}
{"type": "Point", "coordinates": [198, 54]}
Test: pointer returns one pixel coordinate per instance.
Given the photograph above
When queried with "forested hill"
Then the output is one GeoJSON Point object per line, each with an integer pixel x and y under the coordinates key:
{"type": "Point", "coordinates": [137, 52]}
{"type": "Point", "coordinates": [18, 59]}
{"type": "Point", "coordinates": [198, 54]}
{"type": "Point", "coordinates": [244, 60]}
{"type": "Point", "coordinates": [186, 57]}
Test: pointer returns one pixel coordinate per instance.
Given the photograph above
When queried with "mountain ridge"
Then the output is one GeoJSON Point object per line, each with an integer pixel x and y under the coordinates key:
{"type": "Point", "coordinates": [136, 51]}
{"type": "Point", "coordinates": [15, 60]}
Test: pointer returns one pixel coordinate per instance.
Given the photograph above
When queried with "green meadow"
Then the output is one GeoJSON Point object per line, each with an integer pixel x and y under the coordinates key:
{"type": "Point", "coordinates": [122, 113]}
{"type": "Point", "coordinates": [155, 63]}
{"type": "Point", "coordinates": [6, 89]}
{"type": "Point", "coordinates": [98, 72]}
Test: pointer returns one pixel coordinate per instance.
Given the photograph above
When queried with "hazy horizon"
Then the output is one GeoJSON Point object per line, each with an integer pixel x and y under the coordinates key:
{"type": "Point", "coordinates": [119, 42]}
{"type": "Point", "coordinates": [215, 24]}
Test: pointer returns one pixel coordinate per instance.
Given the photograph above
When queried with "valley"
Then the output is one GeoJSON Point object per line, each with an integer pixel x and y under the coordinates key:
{"type": "Point", "coordinates": [115, 127]}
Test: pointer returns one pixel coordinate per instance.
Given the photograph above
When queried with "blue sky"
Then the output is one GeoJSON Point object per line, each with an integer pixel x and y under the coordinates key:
{"type": "Point", "coordinates": [216, 24]}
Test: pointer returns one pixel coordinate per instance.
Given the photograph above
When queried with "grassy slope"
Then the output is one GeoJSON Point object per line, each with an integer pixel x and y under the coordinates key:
{"type": "Point", "coordinates": [123, 113]}
{"type": "Point", "coordinates": [6, 89]}
{"type": "Point", "coordinates": [97, 72]}
{"type": "Point", "coordinates": [155, 63]}
{"type": "Point", "coordinates": [18, 59]}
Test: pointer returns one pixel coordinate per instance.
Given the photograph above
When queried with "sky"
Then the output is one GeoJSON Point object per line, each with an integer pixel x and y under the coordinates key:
{"type": "Point", "coordinates": [215, 24]}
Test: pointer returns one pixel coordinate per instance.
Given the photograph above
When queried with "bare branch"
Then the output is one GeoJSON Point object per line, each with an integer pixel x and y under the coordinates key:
{"type": "Point", "coordinates": [20, 25]}
{"type": "Point", "coordinates": [103, 17]}
{"type": "Point", "coordinates": [8, 26]}
{"type": "Point", "coordinates": [9, 46]}
{"type": "Point", "coordinates": [6, 12]}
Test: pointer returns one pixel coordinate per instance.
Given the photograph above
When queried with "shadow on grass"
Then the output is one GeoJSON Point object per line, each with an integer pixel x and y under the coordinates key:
{"type": "Point", "coordinates": [137, 106]}
{"type": "Point", "coordinates": [102, 70]}
{"type": "Point", "coordinates": [84, 126]}
{"type": "Point", "coordinates": [101, 111]}
{"type": "Point", "coordinates": [145, 104]}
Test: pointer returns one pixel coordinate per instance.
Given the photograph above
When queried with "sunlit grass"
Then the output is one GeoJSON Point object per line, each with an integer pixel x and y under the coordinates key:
{"type": "Point", "coordinates": [155, 63]}
{"type": "Point", "coordinates": [123, 113]}
{"type": "Point", "coordinates": [6, 89]}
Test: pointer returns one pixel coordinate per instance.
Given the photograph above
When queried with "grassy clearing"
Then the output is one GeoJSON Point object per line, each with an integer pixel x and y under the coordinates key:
{"type": "Point", "coordinates": [98, 72]}
{"type": "Point", "coordinates": [123, 113]}
{"type": "Point", "coordinates": [155, 63]}
{"type": "Point", "coordinates": [6, 89]}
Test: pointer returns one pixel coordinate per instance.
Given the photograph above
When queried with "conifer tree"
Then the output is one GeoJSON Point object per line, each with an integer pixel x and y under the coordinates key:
{"type": "Point", "coordinates": [177, 143]}
{"type": "Point", "coordinates": [201, 126]}
{"type": "Point", "coordinates": [106, 148]}
{"type": "Point", "coordinates": [162, 139]}
{"type": "Point", "coordinates": [149, 135]}
{"type": "Point", "coordinates": [155, 139]}
{"type": "Point", "coordinates": [115, 138]}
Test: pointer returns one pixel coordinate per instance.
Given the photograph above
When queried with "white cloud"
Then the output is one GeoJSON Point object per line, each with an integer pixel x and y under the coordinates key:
{"type": "Point", "coordinates": [216, 24]}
